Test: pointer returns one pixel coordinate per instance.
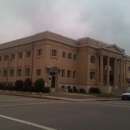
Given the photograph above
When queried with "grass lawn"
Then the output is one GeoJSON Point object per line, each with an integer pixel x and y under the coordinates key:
{"type": "Point", "coordinates": [104, 95]}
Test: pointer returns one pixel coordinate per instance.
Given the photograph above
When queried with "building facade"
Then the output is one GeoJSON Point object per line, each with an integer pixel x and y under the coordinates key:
{"type": "Point", "coordinates": [64, 62]}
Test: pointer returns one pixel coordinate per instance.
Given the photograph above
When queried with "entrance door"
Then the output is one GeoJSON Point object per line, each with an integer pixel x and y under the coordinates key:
{"type": "Point", "coordinates": [52, 79]}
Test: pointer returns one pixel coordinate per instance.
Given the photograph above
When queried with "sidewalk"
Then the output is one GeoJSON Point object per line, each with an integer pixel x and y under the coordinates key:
{"type": "Point", "coordinates": [77, 97]}
{"type": "Point", "coordinates": [58, 96]}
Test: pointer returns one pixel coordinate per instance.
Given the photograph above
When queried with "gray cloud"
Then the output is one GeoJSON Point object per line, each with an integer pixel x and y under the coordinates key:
{"type": "Point", "coordinates": [107, 21]}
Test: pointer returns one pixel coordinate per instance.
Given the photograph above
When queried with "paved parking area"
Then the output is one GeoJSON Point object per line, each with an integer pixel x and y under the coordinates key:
{"type": "Point", "coordinates": [23, 113]}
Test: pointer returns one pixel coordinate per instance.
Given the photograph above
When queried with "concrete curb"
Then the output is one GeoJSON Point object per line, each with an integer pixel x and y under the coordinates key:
{"type": "Point", "coordinates": [48, 96]}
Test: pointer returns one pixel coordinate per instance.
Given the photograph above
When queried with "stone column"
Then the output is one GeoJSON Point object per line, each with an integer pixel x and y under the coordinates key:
{"type": "Point", "coordinates": [124, 74]}
{"type": "Point", "coordinates": [108, 75]}
{"type": "Point", "coordinates": [115, 72]}
{"type": "Point", "coordinates": [97, 70]}
{"type": "Point", "coordinates": [121, 73]}
{"type": "Point", "coordinates": [118, 73]}
{"type": "Point", "coordinates": [101, 69]}
{"type": "Point", "coordinates": [88, 73]}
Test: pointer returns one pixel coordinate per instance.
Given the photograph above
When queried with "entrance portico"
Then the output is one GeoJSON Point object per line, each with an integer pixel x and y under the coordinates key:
{"type": "Point", "coordinates": [111, 71]}
{"type": "Point", "coordinates": [52, 74]}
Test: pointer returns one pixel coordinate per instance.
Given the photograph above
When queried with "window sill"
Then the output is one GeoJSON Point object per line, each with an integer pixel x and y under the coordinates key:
{"type": "Point", "coordinates": [54, 57]}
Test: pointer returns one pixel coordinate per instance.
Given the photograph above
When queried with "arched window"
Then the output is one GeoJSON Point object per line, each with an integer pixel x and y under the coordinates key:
{"type": "Point", "coordinates": [92, 59]}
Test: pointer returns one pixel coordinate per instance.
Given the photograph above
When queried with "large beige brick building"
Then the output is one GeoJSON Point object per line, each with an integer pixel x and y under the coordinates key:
{"type": "Point", "coordinates": [64, 62]}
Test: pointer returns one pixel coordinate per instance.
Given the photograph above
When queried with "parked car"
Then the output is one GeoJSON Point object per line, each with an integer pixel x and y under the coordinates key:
{"type": "Point", "coordinates": [126, 95]}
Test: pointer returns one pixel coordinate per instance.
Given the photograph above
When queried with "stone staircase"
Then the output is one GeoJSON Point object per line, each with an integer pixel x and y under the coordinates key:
{"type": "Point", "coordinates": [60, 90]}
{"type": "Point", "coordinates": [119, 90]}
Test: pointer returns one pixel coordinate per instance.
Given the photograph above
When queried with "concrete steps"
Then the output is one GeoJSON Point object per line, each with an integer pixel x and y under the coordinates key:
{"type": "Point", "coordinates": [60, 90]}
{"type": "Point", "coordinates": [119, 90]}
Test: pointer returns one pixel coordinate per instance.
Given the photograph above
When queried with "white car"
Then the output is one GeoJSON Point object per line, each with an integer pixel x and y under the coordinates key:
{"type": "Point", "coordinates": [126, 95]}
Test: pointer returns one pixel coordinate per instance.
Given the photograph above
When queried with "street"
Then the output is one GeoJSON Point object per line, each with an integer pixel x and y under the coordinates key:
{"type": "Point", "coordinates": [23, 113]}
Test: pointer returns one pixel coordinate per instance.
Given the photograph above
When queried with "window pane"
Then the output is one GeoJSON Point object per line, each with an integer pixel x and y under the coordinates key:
{"type": "Point", "coordinates": [54, 52]}
{"type": "Point", "coordinates": [19, 72]}
{"type": "Point", "coordinates": [39, 52]}
{"type": "Point", "coordinates": [74, 56]}
{"type": "Point", "coordinates": [12, 56]}
{"type": "Point", "coordinates": [27, 73]}
{"type": "Point", "coordinates": [69, 55]}
{"type": "Point", "coordinates": [28, 54]}
{"type": "Point", "coordinates": [64, 54]}
{"type": "Point", "coordinates": [20, 55]}
{"type": "Point", "coordinates": [38, 72]}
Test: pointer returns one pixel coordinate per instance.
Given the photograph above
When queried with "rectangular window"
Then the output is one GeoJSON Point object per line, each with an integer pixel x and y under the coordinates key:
{"type": "Point", "coordinates": [5, 73]}
{"type": "Point", "coordinates": [63, 73]}
{"type": "Point", "coordinates": [92, 75]}
{"type": "Point", "coordinates": [28, 54]}
{"type": "Point", "coordinates": [0, 73]}
{"type": "Point", "coordinates": [19, 72]}
{"type": "Point", "coordinates": [74, 74]}
{"type": "Point", "coordinates": [68, 74]}
{"type": "Point", "coordinates": [75, 57]}
{"type": "Point", "coordinates": [19, 55]}
{"type": "Point", "coordinates": [54, 52]}
{"type": "Point", "coordinates": [27, 72]}
{"type": "Point", "coordinates": [6, 57]}
{"type": "Point", "coordinates": [11, 72]}
{"type": "Point", "coordinates": [39, 52]}
{"type": "Point", "coordinates": [129, 68]}
{"type": "Point", "coordinates": [12, 56]}
{"type": "Point", "coordinates": [38, 72]}
{"type": "Point", "coordinates": [0, 58]}
{"type": "Point", "coordinates": [69, 56]}
{"type": "Point", "coordinates": [64, 54]}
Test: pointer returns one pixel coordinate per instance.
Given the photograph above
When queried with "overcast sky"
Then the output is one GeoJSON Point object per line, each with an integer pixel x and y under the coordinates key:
{"type": "Point", "coordinates": [103, 20]}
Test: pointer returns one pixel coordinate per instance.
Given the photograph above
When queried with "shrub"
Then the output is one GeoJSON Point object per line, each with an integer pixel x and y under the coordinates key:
{"type": "Point", "coordinates": [70, 90]}
{"type": "Point", "coordinates": [39, 85]}
{"type": "Point", "coordinates": [94, 90]}
{"type": "Point", "coordinates": [27, 84]}
{"type": "Point", "coordinates": [75, 90]}
{"type": "Point", "coordinates": [18, 84]}
{"type": "Point", "coordinates": [82, 90]}
{"type": "Point", "coordinates": [46, 90]}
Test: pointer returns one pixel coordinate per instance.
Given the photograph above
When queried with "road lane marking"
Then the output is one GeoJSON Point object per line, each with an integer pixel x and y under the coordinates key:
{"type": "Point", "coordinates": [24, 100]}
{"type": "Point", "coordinates": [26, 122]}
{"type": "Point", "coordinates": [107, 104]}
{"type": "Point", "coordinates": [28, 104]}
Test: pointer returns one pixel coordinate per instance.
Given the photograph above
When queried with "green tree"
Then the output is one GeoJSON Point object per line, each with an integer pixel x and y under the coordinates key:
{"type": "Point", "coordinates": [27, 84]}
{"type": "Point", "coordinates": [39, 85]}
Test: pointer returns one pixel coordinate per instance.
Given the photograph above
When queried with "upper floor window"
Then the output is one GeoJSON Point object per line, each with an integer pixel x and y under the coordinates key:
{"type": "Point", "coordinates": [74, 74]}
{"type": "Point", "coordinates": [11, 72]}
{"type": "Point", "coordinates": [27, 72]}
{"type": "Point", "coordinates": [129, 68]}
{"type": "Point", "coordinates": [6, 57]}
{"type": "Point", "coordinates": [64, 54]}
{"type": "Point", "coordinates": [39, 52]}
{"type": "Point", "coordinates": [0, 58]}
{"type": "Point", "coordinates": [92, 74]}
{"type": "Point", "coordinates": [38, 72]}
{"type": "Point", "coordinates": [19, 72]}
{"type": "Point", "coordinates": [54, 52]}
{"type": "Point", "coordinates": [4, 73]}
{"type": "Point", "coordinates": [75, 57]}
{"type": "Point", "coordinates": [19, 55]}
{"type": "Point", "coordinates": [92, 59]}
{"type": "Point", "coordinates": [63, 73]}
{"type": "Point", "coordinates": [68, 74]}
{"type": "Point", "coordinates": [69, 56]}
{"type": "Point", "coordinates": [28, 53]}
{"type": "Point", "coordinates": [12, 56]}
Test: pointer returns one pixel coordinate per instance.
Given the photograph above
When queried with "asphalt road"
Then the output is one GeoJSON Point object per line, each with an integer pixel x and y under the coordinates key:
{"type": "Point", "coordinates": [23, 113]}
